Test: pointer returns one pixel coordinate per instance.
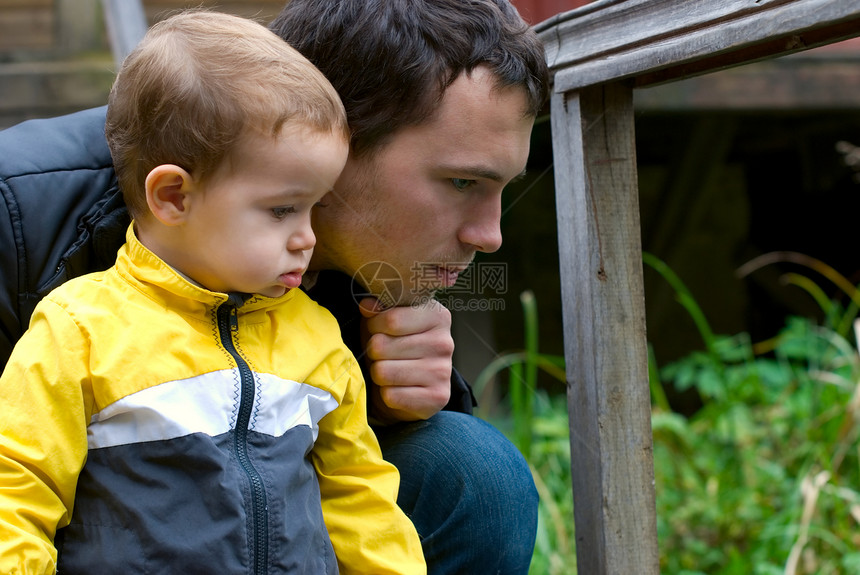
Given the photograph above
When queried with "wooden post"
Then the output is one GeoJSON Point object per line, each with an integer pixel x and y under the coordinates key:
{"type": "Point", "coordinates": [604, 331]}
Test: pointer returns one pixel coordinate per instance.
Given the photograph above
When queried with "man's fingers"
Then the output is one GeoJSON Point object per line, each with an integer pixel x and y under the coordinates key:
{"type": "Point", "coordinates": [408, 351]}
{"type": "Point", "coordinates": [405, 320]}
{"type": "Point", "coordinates": [411, 403]}
{"type": "Point", "coordinates": [380, 346]}
{"type": "Point", "coordinates": [413, 373]}
{"type": "Point", "coordinates": [370, 306]}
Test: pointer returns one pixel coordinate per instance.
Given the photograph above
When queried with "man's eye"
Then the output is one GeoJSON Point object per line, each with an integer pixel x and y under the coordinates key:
{"type": "Point", "coordinates": [324, 201]}
{"type": "Point", "coordinates": [462, 183]}
{"type": "Point", "coordinates": [282, 212]}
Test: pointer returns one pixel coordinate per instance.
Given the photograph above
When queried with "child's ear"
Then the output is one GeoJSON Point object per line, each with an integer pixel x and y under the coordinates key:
{"type": "Point", "coordinates": [168, 188]}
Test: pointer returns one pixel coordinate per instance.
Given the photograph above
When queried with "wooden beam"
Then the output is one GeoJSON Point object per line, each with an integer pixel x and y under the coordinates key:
{"type": "Point", "coordinates": [655, 41]}
{"type": "Point", "coordinates": [45, 89]}
{"type": "Point", "coordinates": [604, 332]}
{"type": "Point", "coordinates": [789, 84]}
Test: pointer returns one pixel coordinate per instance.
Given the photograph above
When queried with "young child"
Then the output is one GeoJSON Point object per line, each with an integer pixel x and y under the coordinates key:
{"type": "Point", "coordinates": [191, 410]}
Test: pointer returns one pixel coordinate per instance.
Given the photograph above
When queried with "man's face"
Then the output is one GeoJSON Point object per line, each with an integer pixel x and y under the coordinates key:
{"type": "Point", "coordinates": [418, 209]}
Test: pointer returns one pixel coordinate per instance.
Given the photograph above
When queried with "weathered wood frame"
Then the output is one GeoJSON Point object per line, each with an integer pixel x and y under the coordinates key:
{"type": "Point", "coordinates": [599, 54]}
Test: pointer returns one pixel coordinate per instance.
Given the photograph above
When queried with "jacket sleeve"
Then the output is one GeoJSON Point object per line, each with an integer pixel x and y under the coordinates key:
{"type": "Point", "coordinates": [369, 532]}
{"type": "Point", "coordinates": [43, 439]}
{"type": "Point", "coordinates": [61, 213]}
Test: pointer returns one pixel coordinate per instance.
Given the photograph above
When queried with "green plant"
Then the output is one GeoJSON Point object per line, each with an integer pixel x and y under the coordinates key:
{"type": "Point", "coordinates": [538, 426]}
{"type": "Point", "coordinates": [764, 479]}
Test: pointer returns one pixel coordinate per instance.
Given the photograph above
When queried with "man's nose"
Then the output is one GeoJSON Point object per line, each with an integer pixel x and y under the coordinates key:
{"type": "Point", "coordinates": [483, 229]}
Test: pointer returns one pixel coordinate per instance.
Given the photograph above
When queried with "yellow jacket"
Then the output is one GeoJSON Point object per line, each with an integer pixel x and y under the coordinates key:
{"type": "Point", "coordinates": [218, 432]}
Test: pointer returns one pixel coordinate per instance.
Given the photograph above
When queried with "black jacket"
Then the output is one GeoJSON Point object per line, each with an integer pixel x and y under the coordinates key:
{"type": "Point", "coordinates": [62, 216]}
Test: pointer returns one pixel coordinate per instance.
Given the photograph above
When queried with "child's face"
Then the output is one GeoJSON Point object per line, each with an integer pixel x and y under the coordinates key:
{"type": "Point", "coordinates": [251, 231]}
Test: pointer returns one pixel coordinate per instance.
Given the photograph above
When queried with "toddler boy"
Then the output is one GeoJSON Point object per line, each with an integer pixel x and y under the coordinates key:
{"type": "Point", "coordinates": [190, 409]}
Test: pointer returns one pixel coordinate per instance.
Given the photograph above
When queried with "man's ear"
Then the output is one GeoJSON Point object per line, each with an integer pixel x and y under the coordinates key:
{"type": "Point", "coordinates": [168, 190]}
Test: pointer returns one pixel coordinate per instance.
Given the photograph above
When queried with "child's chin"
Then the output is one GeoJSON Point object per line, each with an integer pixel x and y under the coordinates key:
{"type": "Point", "coordinates": [275, 291]}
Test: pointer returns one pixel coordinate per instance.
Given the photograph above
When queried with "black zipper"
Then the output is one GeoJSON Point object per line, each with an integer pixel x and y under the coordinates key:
{"type": "Point", "coordinates": [227, 324]}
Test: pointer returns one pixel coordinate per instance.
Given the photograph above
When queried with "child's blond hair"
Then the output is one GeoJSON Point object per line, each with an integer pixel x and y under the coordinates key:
{"type": "Point", "coordinates": [197, 82]}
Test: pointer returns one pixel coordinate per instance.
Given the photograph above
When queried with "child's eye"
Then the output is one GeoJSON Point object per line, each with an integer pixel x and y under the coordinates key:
{"type": "Point", "coordinates": [462, 183]}
{"type": "Point", "coordinates": [282, 212]}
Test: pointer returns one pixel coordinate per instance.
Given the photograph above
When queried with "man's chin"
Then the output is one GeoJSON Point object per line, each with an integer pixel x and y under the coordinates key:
{"type": "Point", "coordinates": [392, 297]}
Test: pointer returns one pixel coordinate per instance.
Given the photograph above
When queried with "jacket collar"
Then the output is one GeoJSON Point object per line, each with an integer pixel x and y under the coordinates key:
{"type": "Point", "coordinates": [157, 280]}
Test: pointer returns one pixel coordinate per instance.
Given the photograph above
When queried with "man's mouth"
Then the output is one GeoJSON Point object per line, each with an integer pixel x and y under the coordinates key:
{"type": "Point", "coordinates": [448, 274]}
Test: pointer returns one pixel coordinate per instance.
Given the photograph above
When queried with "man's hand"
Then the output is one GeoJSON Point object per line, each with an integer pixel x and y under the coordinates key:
{"type": "Point", "coordinates": [409, 353]}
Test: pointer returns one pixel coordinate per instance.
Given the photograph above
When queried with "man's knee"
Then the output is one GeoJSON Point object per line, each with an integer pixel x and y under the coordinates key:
{"type": "Point", "coordinates": [465, 446]}
{"type": "Point", "coordinates": [469, 492]}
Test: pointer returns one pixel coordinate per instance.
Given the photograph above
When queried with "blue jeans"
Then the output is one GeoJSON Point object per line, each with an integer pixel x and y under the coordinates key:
{"type": "Point", "coordinates": [468, 491]}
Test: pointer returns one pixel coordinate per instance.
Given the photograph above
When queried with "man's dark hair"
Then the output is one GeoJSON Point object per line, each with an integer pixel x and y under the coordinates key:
{"type": "Point", "coordinates": [392, 60]}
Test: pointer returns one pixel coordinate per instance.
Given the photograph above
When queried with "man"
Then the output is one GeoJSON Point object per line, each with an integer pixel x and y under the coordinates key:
{"type": "Point", "coordinates": [440, 96]}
